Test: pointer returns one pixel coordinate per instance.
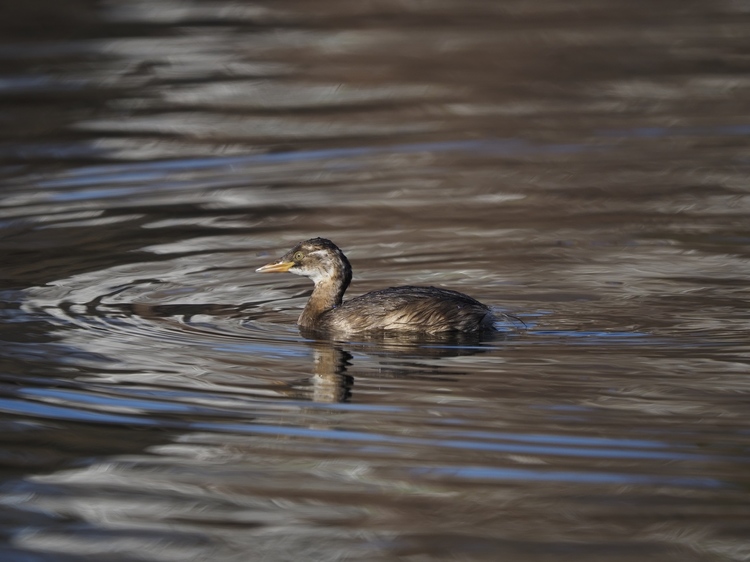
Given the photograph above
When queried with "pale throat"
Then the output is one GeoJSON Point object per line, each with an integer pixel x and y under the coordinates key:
{"type": "Point", "coordinates": [325, 296]}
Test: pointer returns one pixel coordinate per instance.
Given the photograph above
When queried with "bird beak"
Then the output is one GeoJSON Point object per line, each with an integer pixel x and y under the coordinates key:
{"type": "Point", "coordinates": [276, 267]}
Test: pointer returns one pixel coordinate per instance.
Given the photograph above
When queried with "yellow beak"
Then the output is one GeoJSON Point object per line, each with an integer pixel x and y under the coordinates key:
{"type": "Point", "coordinates": [276, 267]}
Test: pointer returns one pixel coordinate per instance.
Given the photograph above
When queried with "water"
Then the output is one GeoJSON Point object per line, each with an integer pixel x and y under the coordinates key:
{"type": "Point", "coordinates": [582, 167]}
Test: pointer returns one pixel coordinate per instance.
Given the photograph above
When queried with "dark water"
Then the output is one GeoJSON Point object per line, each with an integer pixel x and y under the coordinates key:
{"type": "Point", "coordinates": [581, 165]}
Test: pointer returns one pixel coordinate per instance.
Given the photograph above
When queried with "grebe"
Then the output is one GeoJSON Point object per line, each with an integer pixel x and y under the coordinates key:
{"type": "Point", "coordinates": [426, 310]}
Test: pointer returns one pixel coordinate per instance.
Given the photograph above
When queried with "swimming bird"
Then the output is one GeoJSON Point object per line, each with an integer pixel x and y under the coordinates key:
{"type": "Point", "coordinates": [427, 310]}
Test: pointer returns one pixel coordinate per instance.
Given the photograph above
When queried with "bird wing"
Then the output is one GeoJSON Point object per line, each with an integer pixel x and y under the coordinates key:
{"type": "Point", "coordinates": [427, 309]}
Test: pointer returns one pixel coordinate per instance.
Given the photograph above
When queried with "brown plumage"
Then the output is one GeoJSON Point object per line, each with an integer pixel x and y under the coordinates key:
{"type": "Point", "coordinates": [401, 309]}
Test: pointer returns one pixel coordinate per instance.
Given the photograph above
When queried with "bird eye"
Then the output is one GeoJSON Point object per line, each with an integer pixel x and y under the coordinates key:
{"type": "Point", "coordinates": [298, 256]}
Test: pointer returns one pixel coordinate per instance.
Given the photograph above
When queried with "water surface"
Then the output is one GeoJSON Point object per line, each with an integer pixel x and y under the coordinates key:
{"type": "Point", "coordinates": [582, 167]}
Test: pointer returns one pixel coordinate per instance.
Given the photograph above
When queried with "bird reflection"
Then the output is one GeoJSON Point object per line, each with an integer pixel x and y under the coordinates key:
{"type": "Point", "coordinates": [330, 382]}
{"type": "Point", "coordinates": [332, 378]}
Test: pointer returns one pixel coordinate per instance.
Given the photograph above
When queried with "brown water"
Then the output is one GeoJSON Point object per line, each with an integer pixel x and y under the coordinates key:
{"type": "Point", "coordinates": [581, 165]}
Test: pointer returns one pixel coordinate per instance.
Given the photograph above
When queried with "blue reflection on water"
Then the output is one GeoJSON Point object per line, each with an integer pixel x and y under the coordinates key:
{"type": "Point", "coordinates": [589, 334]}
{"type": "Point", "coordinates": [303, 155]}
{"type": "Point", "coordinates": [490, 473]}
{"type": "Point", "coordinates": [661, 132]}
{"type": "Point", "coordinates": [151, 171]}
{"type": "Point", "coordinates": [560, 439]}
{"type": "Point", "coordinates": [47, 411]}
{"type": "Point", "coordinates": [536, 445]}
{"type": "Point", "coordinates": [39, 82]}
{"type": "Point", "coordinates": [105, 401]}
{"type": "Point", "coordinates": [268, 351]}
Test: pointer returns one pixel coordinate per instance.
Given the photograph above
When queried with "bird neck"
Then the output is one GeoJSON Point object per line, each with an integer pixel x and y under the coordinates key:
{"type": "Point", "coordinates": [327, 295]}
